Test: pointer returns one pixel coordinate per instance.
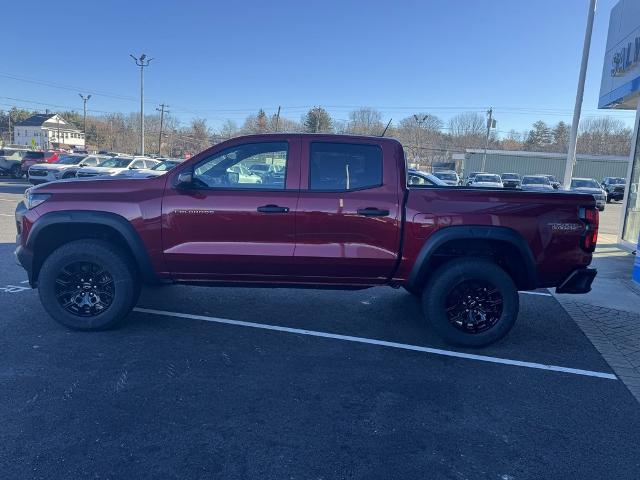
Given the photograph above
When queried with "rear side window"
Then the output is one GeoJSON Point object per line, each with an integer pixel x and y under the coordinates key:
{"type": "Point", "coordinates": [344, 166]}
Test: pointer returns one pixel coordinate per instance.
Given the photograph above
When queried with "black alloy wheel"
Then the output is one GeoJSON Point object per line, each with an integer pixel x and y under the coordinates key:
{"type": "Point", "coordinates": [85, 289]}
{"type": "Point", "coordinates": [474, 306]}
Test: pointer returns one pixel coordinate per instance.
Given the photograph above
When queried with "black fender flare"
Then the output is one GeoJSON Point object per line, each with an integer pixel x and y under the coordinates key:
{"type": "Point", "coordinates": [420, 268]}
{"type": "Point", "coordinates": [108, 219]}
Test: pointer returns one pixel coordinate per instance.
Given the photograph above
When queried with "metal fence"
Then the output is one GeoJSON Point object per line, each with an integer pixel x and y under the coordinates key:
{"type": "Point", "coordinates": [531, 163]}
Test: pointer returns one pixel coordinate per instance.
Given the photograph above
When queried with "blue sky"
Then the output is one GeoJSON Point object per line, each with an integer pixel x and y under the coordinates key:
{"type": "Point", "coordinates": [223, 60]}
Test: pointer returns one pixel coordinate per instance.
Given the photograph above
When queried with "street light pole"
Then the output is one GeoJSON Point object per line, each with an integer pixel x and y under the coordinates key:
{"type": "Point", "coordinates": [573, 137]}
{"type": "Point", "coordinates": [84, 106]}
{"type": "Point", "coordinates": [142, 62]}
{"type": "Point", "coordinates": [419, 122]}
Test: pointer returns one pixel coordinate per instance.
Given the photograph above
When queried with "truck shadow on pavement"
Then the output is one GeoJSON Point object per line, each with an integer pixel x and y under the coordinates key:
{"type": "Point", "coordinates": [11, 185]}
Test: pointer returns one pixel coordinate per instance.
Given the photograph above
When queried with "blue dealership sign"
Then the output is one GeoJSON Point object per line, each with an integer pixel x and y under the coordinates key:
{"type": "Point", "coordinates": [636, 265]}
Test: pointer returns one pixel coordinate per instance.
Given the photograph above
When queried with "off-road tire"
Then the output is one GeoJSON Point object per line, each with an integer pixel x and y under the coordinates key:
{"type": "Point", "coordinates": [126, 285]}
{"type": "Point", "coordinates": [443, 281]}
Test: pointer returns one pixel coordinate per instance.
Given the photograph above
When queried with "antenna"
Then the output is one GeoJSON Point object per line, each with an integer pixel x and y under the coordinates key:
{"type": "Point", "coordinates": [385, 128]}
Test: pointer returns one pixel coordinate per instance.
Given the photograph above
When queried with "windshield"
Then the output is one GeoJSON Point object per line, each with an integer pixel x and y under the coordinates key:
{"type": "Point", "coordinates": [34, 155]}
{"type": "Point", "coordinates": [164, 166]}
{"type": "Point", "coordinates": [510, 176]}
{"type": "Point", "coordinates": [446, 175]}
{"type": "Point", "coordinates": [535, 181]}
{"type": "Point", "coordinates": [616, 181]}
{"type": "Point", "coordinates": [586, 183]}
{"type": "Point", "coordinates": [487, 178]}
{"type": "Point", "coordinates": [69, 160]}
{"type": "Point", "coordinates": [551, 178]}
{"type": "Point", "coordinates": [116, 163]}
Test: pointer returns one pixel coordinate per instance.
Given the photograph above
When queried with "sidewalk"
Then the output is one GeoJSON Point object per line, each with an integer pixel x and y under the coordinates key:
{"type": "Point", "coordinates": [610, 314]}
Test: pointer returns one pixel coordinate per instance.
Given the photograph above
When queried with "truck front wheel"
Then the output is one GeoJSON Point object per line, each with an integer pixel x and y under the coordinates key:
{"type": "Point", "coordinates": [88, 285]}
{"type": "Point", "coordinates": [471, 302]}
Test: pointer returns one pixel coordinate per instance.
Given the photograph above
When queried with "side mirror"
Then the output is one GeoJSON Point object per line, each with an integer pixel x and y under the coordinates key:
{"type": "Point", "coordinates": [185, 179]}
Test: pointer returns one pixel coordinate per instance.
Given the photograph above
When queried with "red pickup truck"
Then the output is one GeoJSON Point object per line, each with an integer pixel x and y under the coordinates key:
{"type": "Point", "coordinates": [329, 212]}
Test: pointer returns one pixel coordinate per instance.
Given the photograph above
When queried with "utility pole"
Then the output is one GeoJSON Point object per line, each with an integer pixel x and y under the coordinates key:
{"type": "Point", "coordinates": [142, 62]}
{"type": "Point", "coordinates": [84, 106]}
{"type": "Point", "coordinates": [278, 118]}
{"type": "Point", "coordinates": [573, 137]}
{"type": "Point", "coordinates": [162, 112]}
{"type": "Point", "coordinates": [490, 124]}
{"type": "Point", "coordinates": [9, 115]}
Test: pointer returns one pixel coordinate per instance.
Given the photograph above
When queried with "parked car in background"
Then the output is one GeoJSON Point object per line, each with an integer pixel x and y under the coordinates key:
{"type": "Point", "coordinates": [114, 165]}
{"type": "Point", "coordinates": [423, 179]}
{"type": "Point", "coordinates": [448, 176]}
{"type": "Point", "coordinates": [65, 167]}
{"type": "Point", "coordinates": [511, 180]}
{"type": "Point", "coordinates": [589, 185]}
{"type": "Point", "coordinates": [160, 169]}
{"type": "Point", "coordinates": [614, 188]}
{"type": "Point", "coordinates": [245, 175]}
{"type": "Point", "coordinates": [536, 182]}
{"type": "Point", "coordinates": [471, 176]}
{"type": "Point", "coordinates": [37, 156]}
{"type": "Point", "coordinates": [552, 180]}
{"type": "Point", "coordinates": [487, 180]}
{"type": "Point", "coordinates": [10, 159]}
{"type": "Point", "coordinates": [269, 173]}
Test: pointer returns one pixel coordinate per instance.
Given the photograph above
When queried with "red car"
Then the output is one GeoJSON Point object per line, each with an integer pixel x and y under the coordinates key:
{"type": "Point", "coordinates": [341, 216]}
{"type": "Point", "coordinates": [37, 156]}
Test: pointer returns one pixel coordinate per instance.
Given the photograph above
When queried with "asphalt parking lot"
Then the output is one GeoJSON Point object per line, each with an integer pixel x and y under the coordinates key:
{"type": "Point", "coordinates": [258, 383]}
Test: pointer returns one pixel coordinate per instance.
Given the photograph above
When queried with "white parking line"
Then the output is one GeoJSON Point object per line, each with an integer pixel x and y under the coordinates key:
{"type": "Point", "coordinates": [542, 294]}
{"type": "Point", "coordinates": [383, 343]}
{"type": "Point", "coordinates": [7, 214]}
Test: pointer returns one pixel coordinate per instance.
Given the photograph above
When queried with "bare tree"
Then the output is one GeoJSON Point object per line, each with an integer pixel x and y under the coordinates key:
{"type": "Point", "coordinates": [365, 121]}
{"type": "Point", "coordinates": [422, 137]}
{"type": "Point", "coordinates": [604, 136]}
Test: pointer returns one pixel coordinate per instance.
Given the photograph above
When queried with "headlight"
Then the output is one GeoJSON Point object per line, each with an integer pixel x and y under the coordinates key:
{"type": "Point", "coordinates": [32, 200]}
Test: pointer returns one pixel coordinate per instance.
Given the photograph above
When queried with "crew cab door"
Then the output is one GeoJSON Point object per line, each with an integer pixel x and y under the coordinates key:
{"type": "Point", "coordinates": [348, 219]}
{"type": "Point", "coordinates": [229, 223]}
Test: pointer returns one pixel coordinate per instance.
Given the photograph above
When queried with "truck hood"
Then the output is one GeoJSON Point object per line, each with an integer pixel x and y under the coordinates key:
{"type": "Point", "coordinates": [102, 170]}
{"type": "Point", "coordinates": [52, 167]}
{"type": "Point", "coordinates": [587, 190]}
{"type": "Point", "coordinates": [86, 187]}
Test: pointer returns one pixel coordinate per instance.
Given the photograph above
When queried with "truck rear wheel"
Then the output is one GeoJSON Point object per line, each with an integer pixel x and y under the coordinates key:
{"type": "Point", "coordinates": [88, 285]}
{"type": "Point", "coordinates": [471, 302]}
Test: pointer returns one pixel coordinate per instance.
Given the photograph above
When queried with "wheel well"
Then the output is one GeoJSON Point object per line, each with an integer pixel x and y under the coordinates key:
{"type": "Point", "coordinates": [503, 253]}
{"type": "Point", "coordinates": [54, 236]}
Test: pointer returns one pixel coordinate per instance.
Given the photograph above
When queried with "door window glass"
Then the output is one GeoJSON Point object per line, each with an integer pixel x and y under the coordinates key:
{"type": "Point", "coordinates": [344, 166]}
{"type": "Point", "coordinates": [253, 165]}
{"type": "Point", "coordinates": [632, 217]}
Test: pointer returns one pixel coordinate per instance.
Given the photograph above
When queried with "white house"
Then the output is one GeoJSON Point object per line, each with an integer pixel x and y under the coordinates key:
{"type": "Point", "coordinates": [46, 130]}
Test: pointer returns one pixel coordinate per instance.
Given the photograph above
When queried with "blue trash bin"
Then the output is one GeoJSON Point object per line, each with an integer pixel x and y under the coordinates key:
{"type": "Point", "coordinates": [636, 265]}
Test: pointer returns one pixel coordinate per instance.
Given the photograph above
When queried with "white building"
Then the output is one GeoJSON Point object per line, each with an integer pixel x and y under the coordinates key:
{"type": "Point", "coordinates": [47, 130]}
{"type": "Point", "coordinates": [620, 88]}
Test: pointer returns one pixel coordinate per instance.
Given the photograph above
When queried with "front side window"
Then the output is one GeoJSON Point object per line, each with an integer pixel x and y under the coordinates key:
{"type": "Point", "coordinates": [344, 166]}
{"type": "Point", "coordinates": [232, 168]}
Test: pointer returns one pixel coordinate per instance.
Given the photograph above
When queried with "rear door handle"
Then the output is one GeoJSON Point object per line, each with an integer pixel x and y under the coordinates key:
{"type": "Point", "coordinates": [373, 212]}
{"type": "Point", "coordinates": [273, 209]}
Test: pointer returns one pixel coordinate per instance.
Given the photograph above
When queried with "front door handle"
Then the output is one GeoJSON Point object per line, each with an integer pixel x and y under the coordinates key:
{"type": "Point", "coordinates": [273, 209]}
{"type": "Point", "coordinates": [373, 212]}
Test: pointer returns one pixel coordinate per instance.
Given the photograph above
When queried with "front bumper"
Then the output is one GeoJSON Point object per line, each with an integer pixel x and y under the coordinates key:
{"type": "Point", "coordinates": [24, 257]}
{"type": "Point", "coordinates": [579, 281]}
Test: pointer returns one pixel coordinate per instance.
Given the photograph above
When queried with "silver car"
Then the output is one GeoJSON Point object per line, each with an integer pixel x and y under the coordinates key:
{"type": "Point", "coordinates": [589, 185]}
